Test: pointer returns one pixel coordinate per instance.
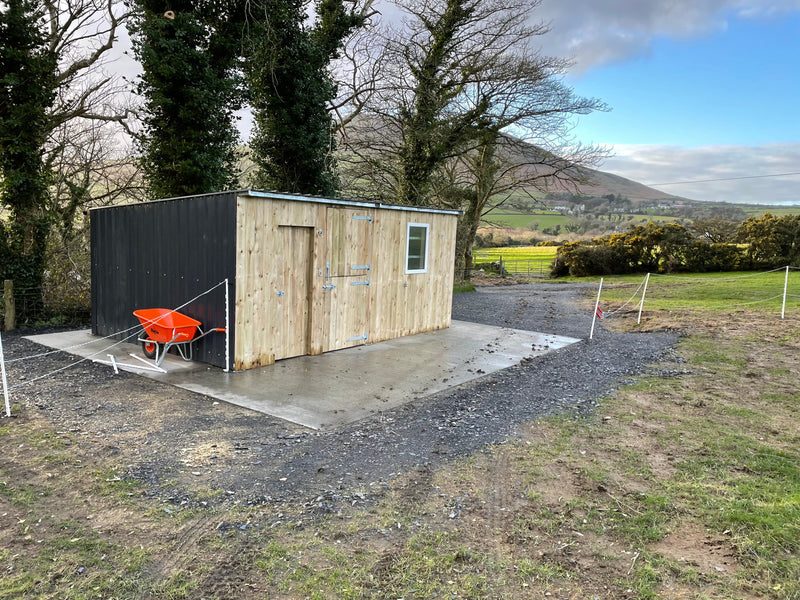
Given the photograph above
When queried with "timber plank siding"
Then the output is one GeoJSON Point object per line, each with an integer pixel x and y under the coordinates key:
{"type": "Point", "coordinates": [306, 275]}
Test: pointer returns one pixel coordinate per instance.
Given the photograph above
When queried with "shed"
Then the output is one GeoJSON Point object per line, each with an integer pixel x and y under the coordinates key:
{"type": "Point", "coordinates": [293, 275]}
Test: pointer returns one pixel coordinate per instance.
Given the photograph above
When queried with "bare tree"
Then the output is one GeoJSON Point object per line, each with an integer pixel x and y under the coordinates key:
{"type": "Point", "coordinates": [466, 113]}
{"type": "Point", "coordinates": [428, 91]}
{"type": "Point", "coordinates": [65, 100]}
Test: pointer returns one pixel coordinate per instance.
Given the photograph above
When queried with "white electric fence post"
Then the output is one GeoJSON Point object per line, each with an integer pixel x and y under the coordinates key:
{"type": "Point", "coordinates": [5, 383]}
{"type": "Point", "coordinates": [227, 329]}
{"type": "Point", "coordinates": [785, 287]}
{"type": "Point", "coordinates": [596, 306]}
{"type": "Point", "coordinates": [641, 304]}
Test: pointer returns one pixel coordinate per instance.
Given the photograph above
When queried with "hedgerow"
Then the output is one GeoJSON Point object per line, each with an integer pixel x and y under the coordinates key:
{"type": "Point", "coordinates": [760, 242]}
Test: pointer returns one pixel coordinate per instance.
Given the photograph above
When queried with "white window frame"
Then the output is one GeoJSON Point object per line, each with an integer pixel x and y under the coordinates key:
{"type": "Point", "coordinates": [426, 227]}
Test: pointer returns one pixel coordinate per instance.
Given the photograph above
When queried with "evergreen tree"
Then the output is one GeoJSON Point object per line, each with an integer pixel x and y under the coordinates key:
{"type": "Point", "coordinates": [27, 92]}
{"type": "Point", "coordinates": [290, 88]}
{"type": "Point", "coordinates": [189, 52]}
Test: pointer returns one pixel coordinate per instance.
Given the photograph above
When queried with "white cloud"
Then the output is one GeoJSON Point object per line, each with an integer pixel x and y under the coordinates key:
{"type": "Point", "coordinates": [750, 172]}
{"type": "Point", "coordinates": [599, 32]}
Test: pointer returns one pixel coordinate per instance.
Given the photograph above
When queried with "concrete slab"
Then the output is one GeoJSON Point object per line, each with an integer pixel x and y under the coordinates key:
{"type": "Point", "coordinates": [337, 387]}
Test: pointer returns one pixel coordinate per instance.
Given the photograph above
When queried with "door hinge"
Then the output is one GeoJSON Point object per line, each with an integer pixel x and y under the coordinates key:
{"type": "Point", "coordinates": [363, 218]}
{"type": "Point", "coordinates": [360, 267]}
{"type": "Point", "coordinates": [328, 287]}
{"type": "Point", "coordinates": [360, 283]}
{"type": "Point", "coordinates": [358, 338]}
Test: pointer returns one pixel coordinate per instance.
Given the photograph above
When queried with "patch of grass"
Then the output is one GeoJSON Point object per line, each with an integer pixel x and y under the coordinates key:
{"type": "Point", "coordinates": [647, 578]}
{"type": "Point", "coordinates": [75, 563]}
{"type": "Point", "coordinates": [179, 586]}
{"type": "Point", "coordinates": [109, 483]}
{"type": "Point", "coordinates": [759, 292]}
{"type": "Point", "coordinates": [463, 287]}
{"type": "Point", "coordinates": [743, 413]}
{"type": "Point", "coordinates": [540, 571]}
{"type": "Point", "coordinates": [23, 495]}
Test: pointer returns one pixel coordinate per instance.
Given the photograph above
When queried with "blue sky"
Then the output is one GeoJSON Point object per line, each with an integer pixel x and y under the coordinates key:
{"type": "Point", "coordinates": [738, 86]}
{"type": "Point", "coordinates": [707, 89]}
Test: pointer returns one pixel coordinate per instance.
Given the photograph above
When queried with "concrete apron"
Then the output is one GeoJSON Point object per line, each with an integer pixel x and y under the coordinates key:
{"type": "Point", "coordinates": [338, 387]}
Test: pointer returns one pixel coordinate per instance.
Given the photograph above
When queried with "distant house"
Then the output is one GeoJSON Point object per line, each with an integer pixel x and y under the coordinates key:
{"type": "Point", "coordinates": [305, 275]}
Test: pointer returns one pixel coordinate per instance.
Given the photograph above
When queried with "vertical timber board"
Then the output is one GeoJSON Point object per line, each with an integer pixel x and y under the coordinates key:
{"type": "Point", "coordinates": [410, 303]}
{"type": "Point", "coordinates": [349, 241]}
{"type": "Point", "coordinates": [349, 251]}
{"type": "Point", "coordinates": [253, 282]}
{"type": "Point", "coordinates": [276, 249]}
{"type": "Point", "coordinates": [319, 317]}
{"type": "Point", "coordinates": [293, 301]}
{"type": "Point", "coordinates": [388, 293]}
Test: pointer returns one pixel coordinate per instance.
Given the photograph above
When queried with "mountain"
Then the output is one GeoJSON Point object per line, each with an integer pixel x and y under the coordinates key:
{"type": "Point", "coordinates": [584, 181]}
{"type": "Point", "coordinates": [602, 184]}
{"type": "Point", "coordinates": [535, 163]}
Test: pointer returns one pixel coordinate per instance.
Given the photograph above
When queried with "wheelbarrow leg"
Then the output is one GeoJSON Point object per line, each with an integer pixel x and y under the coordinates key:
{"type": "Point", "coordinates": [164, 349]}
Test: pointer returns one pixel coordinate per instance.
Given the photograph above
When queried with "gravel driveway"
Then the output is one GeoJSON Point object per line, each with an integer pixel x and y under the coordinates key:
{"type": "Point", "coordinates": [176, 442]}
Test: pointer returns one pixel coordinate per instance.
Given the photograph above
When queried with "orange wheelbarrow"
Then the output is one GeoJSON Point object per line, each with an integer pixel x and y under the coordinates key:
{"type": "Point", "coordinates": [165, 328]}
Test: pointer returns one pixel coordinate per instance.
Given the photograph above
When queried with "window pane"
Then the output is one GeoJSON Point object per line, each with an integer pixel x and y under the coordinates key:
{"type": "Point", "coordinates": [417, 239]}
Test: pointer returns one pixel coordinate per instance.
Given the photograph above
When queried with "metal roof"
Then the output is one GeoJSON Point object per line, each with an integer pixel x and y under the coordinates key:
{"type": "Point", "coordinates": [304, 198]}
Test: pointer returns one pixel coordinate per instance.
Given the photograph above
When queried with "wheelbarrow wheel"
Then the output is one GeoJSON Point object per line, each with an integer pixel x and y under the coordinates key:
{"type": "Point", "coordinates": [150, 348]}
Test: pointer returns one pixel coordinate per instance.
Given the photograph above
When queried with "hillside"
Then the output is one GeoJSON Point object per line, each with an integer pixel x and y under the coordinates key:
{"type": "Point", "coordinates": [583, 181]}
{"type": "Point", "coordinates": [603, 183]}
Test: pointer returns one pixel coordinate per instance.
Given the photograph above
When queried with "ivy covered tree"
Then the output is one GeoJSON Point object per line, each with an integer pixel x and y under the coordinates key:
{"type": "Point", "coordinates": [56, 103]}
{"type": "Point", "coordinates": [27, 93]}
{"type": "Point", "coordinates": [290, 89]}
{"type": "Point", "coordinates": [189, 51]}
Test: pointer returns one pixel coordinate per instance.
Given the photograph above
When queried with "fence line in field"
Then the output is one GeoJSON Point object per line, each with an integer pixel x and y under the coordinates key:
{"type": "Point", "coordinates": [530, 267]}
{"type": "Point", "coordinates": [641, 292]}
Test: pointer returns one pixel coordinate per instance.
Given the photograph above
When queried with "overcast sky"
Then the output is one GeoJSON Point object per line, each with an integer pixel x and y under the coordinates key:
{"type": "Point", "coordinates": [699, 90]}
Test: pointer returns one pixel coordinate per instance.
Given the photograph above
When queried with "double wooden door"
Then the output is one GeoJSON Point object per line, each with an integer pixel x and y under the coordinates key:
{"type": "Point", "coordinates": [323, 285]}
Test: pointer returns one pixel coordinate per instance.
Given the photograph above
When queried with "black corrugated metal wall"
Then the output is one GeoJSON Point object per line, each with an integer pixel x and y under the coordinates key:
{"type": "Point", "coordinates": [161, 255]}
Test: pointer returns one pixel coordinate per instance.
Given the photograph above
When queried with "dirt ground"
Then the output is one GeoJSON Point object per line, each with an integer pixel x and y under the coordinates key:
{"type": "Point", "coordinates": [129, 463]}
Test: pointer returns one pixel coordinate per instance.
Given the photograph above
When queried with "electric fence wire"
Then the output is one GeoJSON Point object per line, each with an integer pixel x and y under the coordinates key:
{"type": "Point", "coordinates": [636, 293]}
{"type": "Point", "coordinates": [690, 280]}
{"type": "Point", "coordinates": [103, 350]}
{"type": "Point", "coordinates": [724, 306]}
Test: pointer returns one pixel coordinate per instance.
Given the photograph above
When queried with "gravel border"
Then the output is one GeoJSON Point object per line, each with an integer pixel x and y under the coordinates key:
{"type": "Point", "coordinates": [276, 462]}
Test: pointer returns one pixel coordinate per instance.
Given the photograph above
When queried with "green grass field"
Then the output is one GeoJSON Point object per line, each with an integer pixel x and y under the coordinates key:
{"type": "Point", "coordinates": [517, 220]}
{"type": "Point", "coordinates": [778, 212]}
{"type": "Point", "coordinates": [518, 259]}
{"type": "Point", "coordinates": [760, 292]}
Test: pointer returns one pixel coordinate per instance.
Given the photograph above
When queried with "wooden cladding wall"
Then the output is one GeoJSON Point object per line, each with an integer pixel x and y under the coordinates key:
{"type": "Point", "coordinates": [405, 304]}
{"type": "Point", "coordinates": [313, 277]}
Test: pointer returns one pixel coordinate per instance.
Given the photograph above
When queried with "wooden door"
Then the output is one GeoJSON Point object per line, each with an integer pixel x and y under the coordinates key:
{"type": "Point", "coordinates": [292, 329]}
{"type": "Point", "coordinates": [347, 273]}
